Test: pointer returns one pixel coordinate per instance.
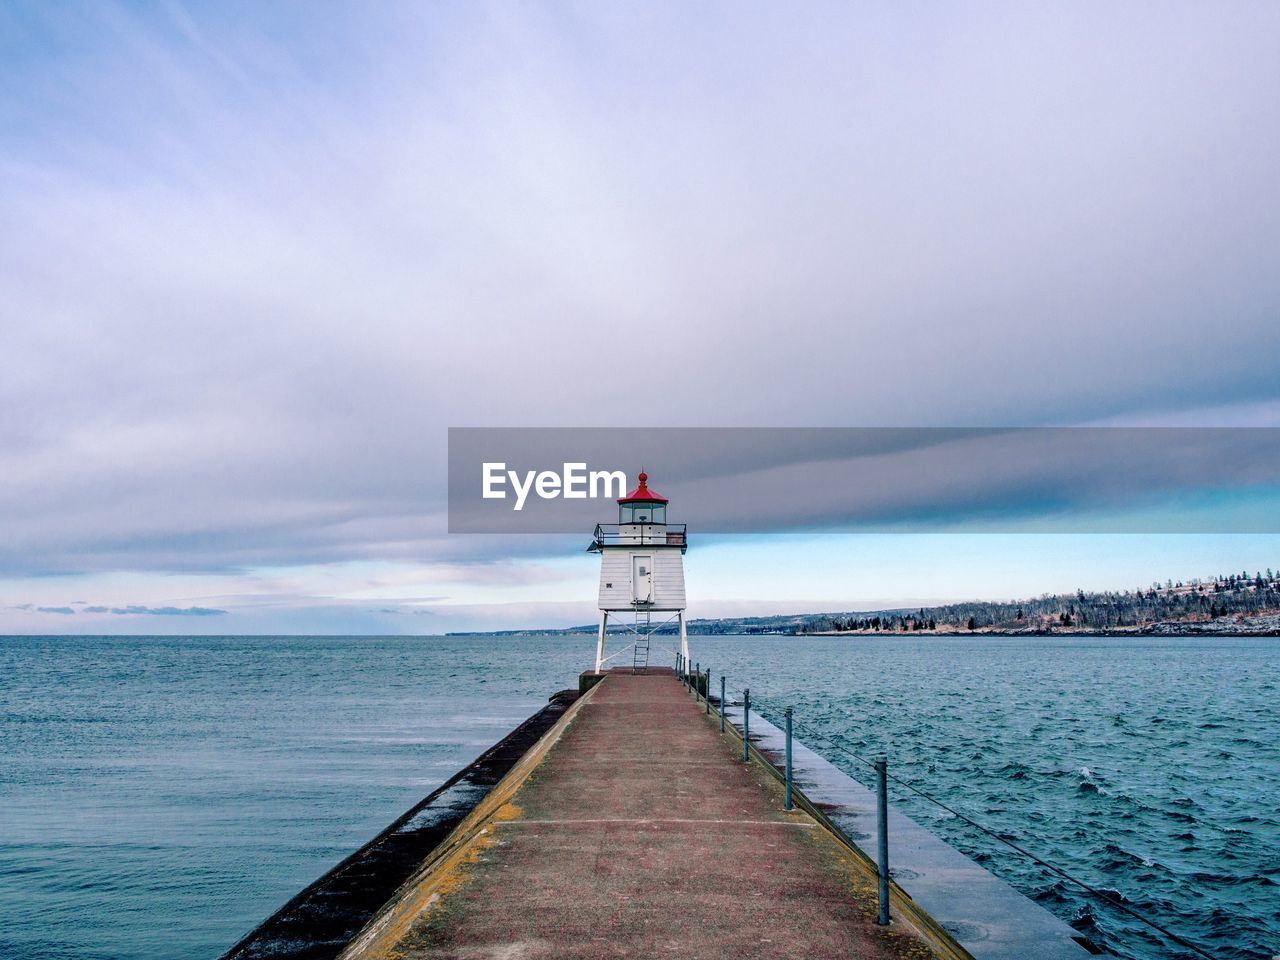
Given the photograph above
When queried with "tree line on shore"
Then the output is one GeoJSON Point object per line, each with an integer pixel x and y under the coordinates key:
{"type": "Point", "coordinates": [1231, 595]}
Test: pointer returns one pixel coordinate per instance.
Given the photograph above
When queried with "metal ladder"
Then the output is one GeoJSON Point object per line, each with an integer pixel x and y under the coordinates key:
{"type": "Point", "coordinates": [640, 652]}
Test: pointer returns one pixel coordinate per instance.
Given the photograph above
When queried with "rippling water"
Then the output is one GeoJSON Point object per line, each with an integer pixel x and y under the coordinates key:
{"type": "Point", "coordinates": [159, 796]}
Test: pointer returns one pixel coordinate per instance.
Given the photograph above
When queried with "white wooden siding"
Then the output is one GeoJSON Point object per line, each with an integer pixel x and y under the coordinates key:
{"type": "Point", "coordinates": [668, 576]}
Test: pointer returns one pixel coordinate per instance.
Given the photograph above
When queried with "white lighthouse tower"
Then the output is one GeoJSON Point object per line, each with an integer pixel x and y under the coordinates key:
{"type": "Point", "coordinates": [641, 571]}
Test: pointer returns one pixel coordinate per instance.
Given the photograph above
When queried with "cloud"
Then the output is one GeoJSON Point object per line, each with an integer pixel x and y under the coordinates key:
{"type": "Point", "coordinates": [253, 270]}
{"type": "Point", "coordinates": [126, 610]}
{"type": "Point", "coordinates": [167, 611]}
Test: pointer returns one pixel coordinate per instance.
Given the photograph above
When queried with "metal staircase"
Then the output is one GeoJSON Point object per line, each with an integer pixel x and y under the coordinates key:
{"type": "Point", "coordinates": [640, 652]}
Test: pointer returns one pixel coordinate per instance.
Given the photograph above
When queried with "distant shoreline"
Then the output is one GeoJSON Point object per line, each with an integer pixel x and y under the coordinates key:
{"type": "Point", "coordinates": [1170, 629]}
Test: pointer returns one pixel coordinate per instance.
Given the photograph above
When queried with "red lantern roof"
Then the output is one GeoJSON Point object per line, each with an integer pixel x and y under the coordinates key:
{"type": "Point", "coordinates": [642, 493]}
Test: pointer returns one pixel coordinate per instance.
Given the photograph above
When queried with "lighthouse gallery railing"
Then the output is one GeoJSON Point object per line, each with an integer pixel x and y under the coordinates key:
{"type": "Point", "coordinates": [670, 534]}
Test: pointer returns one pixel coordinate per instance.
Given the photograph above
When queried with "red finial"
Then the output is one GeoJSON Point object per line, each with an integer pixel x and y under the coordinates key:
{"type": "Point", "coordinates": [643, 476]}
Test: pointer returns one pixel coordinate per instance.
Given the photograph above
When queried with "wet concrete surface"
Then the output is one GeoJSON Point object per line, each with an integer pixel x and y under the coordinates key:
{"type": "Point", "coordinates": [641, 833]}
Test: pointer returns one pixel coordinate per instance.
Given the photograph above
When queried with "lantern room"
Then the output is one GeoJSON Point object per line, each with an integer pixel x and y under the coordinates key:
{"type": "Point", "coordinates": [642, 506]}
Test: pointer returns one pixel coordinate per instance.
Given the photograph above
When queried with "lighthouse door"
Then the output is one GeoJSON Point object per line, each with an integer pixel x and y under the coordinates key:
{"type": "Point", "coordinates": [642, 579]}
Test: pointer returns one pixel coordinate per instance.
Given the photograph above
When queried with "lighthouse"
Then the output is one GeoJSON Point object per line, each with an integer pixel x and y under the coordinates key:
{"type": "Point", "coordinates": [641, 572]}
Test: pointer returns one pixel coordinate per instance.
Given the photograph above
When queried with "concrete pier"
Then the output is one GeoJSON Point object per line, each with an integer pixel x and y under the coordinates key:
{"type": "Point", "coordinates": [634, 829]}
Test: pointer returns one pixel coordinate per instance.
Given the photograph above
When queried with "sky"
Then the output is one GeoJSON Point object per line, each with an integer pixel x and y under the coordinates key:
{"type": "Point", "coordinates": [256, 259]}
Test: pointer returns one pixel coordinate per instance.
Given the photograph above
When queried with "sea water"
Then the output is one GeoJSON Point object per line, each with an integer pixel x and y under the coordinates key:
{"type": "Point", "coordinates": [159, 796]}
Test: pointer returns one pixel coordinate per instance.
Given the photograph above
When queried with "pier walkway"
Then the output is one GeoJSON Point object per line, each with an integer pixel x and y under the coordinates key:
{"type": "Point", "coordinates": [635, 830]}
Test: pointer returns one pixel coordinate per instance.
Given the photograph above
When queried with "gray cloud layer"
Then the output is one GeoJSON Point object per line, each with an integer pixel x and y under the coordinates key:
{"type": "Point", "coordinates": [131, 610]}
{"type": "Point", "coordinates": [254, 263]}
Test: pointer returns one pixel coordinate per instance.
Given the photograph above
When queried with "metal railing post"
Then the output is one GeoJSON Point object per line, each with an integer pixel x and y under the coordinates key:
{"type": "Point", "coordinates": [788, 804]}
{"type": "Point", "coordinates": [697, 672]}
{"type": "Point", "coordinates": [722, 703]}
{"type": "Point", "coordinates": [706, 692]}
{"type": "Point", "coordinates": [882, 836]}
{"type": "Point", "coordinates": [746, 722]}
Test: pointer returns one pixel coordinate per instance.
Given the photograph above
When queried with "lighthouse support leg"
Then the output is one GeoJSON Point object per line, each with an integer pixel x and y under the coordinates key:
{"type": "Point", "coordinates": [604, 619]}
{"type": "Point", "coordinates": [684, 640]}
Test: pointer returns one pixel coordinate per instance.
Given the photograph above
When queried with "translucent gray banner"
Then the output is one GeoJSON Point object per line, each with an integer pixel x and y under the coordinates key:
{"type": "Point", "coordinates": [770, 480]}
